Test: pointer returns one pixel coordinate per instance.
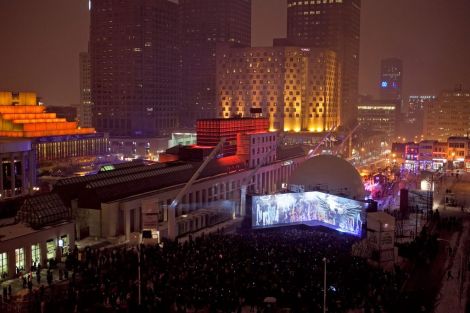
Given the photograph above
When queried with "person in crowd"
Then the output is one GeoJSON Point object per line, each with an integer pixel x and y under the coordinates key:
{"type": "Point", "coordinates": [223, 273]}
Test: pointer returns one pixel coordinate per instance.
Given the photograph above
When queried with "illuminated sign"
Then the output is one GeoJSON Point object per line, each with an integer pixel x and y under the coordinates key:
{"type": "Point", "coordinates": [312, 208]}
{"type": "Point", "coordinates": [384, 84]}
{"type": "Point", "coordinates": [107, 168]}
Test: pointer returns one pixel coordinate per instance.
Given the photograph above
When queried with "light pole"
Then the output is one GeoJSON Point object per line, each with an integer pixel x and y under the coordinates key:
{"type": "Point", "coordinates": [324, 285]}
{"type": "Point", "coordinates": [138, 273]}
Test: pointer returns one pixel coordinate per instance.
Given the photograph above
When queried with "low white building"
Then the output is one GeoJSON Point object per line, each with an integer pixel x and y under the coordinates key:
{"type": "Point", "coordinates": [42, 230]}
{"type": "Point", "coordinates": [22, 246]}
{"type": "Point", "coordinates": [111, 205]}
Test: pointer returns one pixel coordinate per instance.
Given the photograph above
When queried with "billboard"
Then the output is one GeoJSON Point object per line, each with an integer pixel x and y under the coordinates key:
{"type": "Point", "coordinates": [311, 208]}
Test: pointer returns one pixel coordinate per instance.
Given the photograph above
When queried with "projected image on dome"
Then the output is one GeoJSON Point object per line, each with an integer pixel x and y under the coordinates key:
{"type": "Point", "coordinates": [312, 208]}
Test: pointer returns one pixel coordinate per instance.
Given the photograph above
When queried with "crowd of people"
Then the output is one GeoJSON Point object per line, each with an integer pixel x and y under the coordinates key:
{"type": "Point", "coordinates": [224, 273]}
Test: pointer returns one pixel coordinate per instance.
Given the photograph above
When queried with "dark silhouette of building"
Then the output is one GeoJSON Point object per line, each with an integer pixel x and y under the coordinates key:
{"type": "Point", "coordinates": [204, 24]}
{"type": "Point", "coordinates": [135, 66]}
{"type": "Point", "coordinates": [378, 116]}
{"type": "Point", "coordinates": [391, 77]}
{"type": "Point", "coordinates": [67, 112]}
{"type": "Point", "coordinates": [414, 115]}
{"type": "Point", "coordinates": [84, 113]}
{"type": "Point", "coordinates": [335, 25]}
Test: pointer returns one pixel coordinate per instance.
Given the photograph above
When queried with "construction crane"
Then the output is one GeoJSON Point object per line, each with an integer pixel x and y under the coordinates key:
{"type": "Point", "coordinates": [348, 138]}
{"type": "Point", "coordinates": [172, 231]}
{"type": "Point", "coordinates": [313, 152]}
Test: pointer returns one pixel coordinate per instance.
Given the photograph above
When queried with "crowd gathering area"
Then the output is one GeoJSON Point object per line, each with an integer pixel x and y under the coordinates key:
{"type": "Point", "coordinates": [271, 270]}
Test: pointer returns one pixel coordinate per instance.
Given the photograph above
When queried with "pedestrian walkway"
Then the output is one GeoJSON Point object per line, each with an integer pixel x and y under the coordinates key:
{"type": "Point", "coordinates": [18, 291]}
{"type": "Point", "coordinates": [452, 296]}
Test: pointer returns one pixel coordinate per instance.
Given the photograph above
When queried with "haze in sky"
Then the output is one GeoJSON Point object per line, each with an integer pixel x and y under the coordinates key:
{"type": "Point", "coordinates": [41, 41]}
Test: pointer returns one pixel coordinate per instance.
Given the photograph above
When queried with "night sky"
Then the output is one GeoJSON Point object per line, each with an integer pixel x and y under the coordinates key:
{"type": "Point", "coordinates": [40, 41]}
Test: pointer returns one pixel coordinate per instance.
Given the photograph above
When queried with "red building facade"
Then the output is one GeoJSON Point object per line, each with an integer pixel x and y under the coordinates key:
{"type": "Point", "coordinates": [211, 131]}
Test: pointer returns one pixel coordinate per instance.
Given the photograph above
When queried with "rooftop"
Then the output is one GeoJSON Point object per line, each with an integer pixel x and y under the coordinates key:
{"type": "Point", "coordinates": [18, 230]}
{"type": "Point", "coordinates": [42, 210]}
{"type": "Point", "coordinates": [116, 184]}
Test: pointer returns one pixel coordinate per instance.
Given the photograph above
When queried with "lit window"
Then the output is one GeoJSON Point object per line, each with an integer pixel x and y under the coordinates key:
{"type": "Point", "coordinates": [35, 253]}
{"type": "Point", "coordinates": [3, 264]}
{"type": "Point", "coordinates": [51, 247]}
{"type": "Point", "coordinates": [19, 259]}
{"type": "Point", "coordinates": [64, 244]}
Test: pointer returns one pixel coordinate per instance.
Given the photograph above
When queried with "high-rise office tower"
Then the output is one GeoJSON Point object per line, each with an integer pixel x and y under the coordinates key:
{"type": "Point", "coordinates": [204, 23]}
{"type": "Point", "coordinates": [391, 77]}
{"type": "Point", "coordinates": [414, 115]}
{"type": "Point", "coordinates": [378, 116]}
{"type": "Point", "coordinates": [448, 116]}
{"type": "Point", "coordinates": [296, 88]}
{"type": "Point", "coordinates": [335, 25]}
{"type": "Point", "coordinates": [135, 66]}
{"type": "Point", "coordinates": [84, 109]}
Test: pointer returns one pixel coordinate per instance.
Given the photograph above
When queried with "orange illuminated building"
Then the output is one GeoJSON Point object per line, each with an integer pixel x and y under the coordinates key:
{"type": "Point", "coordinates": [297, 89]}
{"type": "Point", "coordinates": [21, 115]}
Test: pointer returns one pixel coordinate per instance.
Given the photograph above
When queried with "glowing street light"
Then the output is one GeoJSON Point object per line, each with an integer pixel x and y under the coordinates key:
{"type": "Point", "coordinates": [324, 285]}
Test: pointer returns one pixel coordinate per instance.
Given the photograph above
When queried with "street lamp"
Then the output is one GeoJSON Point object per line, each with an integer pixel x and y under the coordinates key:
{"type": "Point", "coordinates": [430, 195]}
{"type": "Point", "coordinates": [453, 158]}
{"type": "Point", "coordinates": [324, 285]}
{"type": "Point", "coordinates": [138, 273]}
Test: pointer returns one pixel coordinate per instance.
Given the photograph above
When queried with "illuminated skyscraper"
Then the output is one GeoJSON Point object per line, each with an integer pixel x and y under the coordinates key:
{"type": "Point", "coordinates": [296, 88]}
{"type": "Point", "coordinates": [135, 66]}
{"type": "Point", "coordinates": [335, 25]}
{"type": "Point", "coordinates": [204, 23]}
{"type": "Point", "coordinates": [391, 77]}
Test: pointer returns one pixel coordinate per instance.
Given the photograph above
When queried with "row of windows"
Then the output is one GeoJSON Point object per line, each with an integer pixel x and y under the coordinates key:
{"type": "Point", "coordinates": [313, 2]}
{"type": "Point", "coordinates": [286, 115]}
{"type": "Point", "coordinates": [264, 139]}
{"type": "Point", "coordinates": [67, 149]}
{"type": "Point", "coordinates": [456, 145]}
{"type": "Point", "coordinates": [20, 259]}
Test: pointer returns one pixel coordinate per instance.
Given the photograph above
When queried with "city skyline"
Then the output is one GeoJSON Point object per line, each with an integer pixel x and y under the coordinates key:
{"type": "Point", "coordinates": [433, 53]}
{"type": "Point", "coordinates": [146, 144]}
